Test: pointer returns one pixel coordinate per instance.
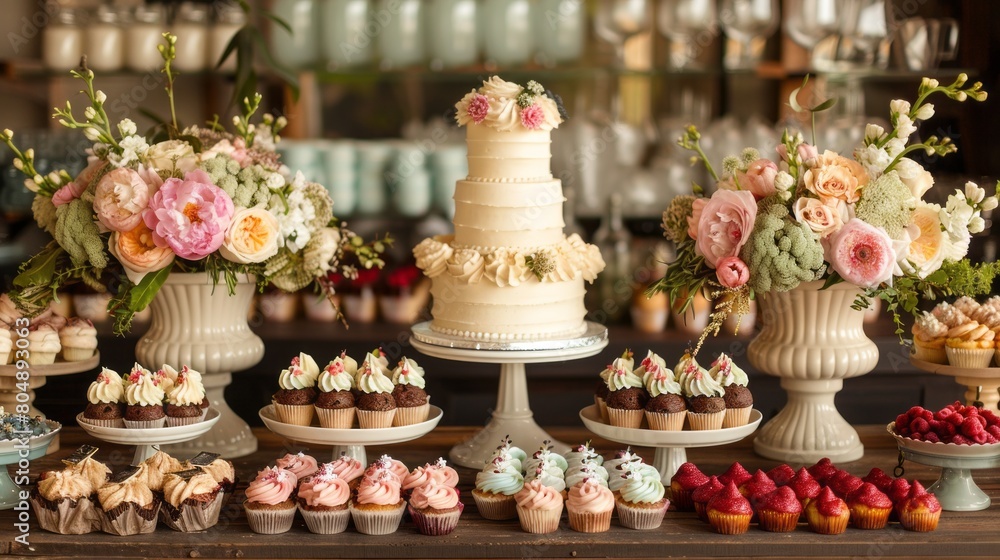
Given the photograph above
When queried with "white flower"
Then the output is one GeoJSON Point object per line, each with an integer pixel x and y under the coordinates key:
{"type": "Point", "coordinates": [172, 155]}
{"type": "Point", "coordinates": [293, 224]}
{"type": "Point", "coordinates": [925, 112]}
{"type": "Point", "coordinates": [929, 83]}
{"type": "Point", "coordinates": [89, 113]}
{"type": "Point", "coordinates": [977, 224]}
{"type": "Point", "coordinates": [899, 106]}
{"type": "Point", "coordinates": [974, 193]}
{"type": "Point", "coordinates": [133, 149]}
{"type": "Point", "coordinates": [957, 212]}
{"type": "Point", "coordinates": [904, 126]}
{"type": "Point", "coordinates": [321, 254]}
{"type": "Point", "coordinates": [783, 181]}
{"type": "Point", "coordinates": [252, 236]}
{"type": "Point", "coordinates": [127, 127]}
{"type": "Point", "coordinates": [873, 133]}
{"type": "Point", "coordinates": [895, 146]}
{"type": "Point", "coordinates": [873, 159]}
{"type": "Point", "coordinates": [275, 181]}
{"type": "Point", "coordinates": [914, 176]}
{"type": "Point", "coordinates": [989, 203]}
{"type": "Point", "coordinates": [100, 96]}
{"type": "Point", "coordinates": [92, 134]}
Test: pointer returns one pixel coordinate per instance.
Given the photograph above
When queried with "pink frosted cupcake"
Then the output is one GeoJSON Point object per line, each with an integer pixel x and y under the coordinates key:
{"type": "Point", "coordinates": [538, 507]}
{"type": "Point", "coordinates": [349, 469]}
{"type": "Point", "coordinates": [589, 506]}
{"type": "Point", "coordinates": [322, 501]}
{"type": "Point", "coordinates": [435, 508]}
{"type": "Point", "coordinates": [299, 464]}
{"type": "Point", "coordinates": [377, 507]}
{"type": "Point", "coordinates": [437, 471]}
{"type": "Point", "coordinates": [269, 505]}
{"type": "Point", "coordinates": [394, 466]}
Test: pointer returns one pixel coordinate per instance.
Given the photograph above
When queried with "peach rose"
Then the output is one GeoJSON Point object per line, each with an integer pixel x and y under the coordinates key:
{"type": "Point", "coordinates": [836, 177]}
{"type": "Point", "coordinates": [823, 219]}
{"type": "Point", "coordinates": [120, 198]}
{"type": "Point", "coordinates": [137, 252]}
{"type": "Point", "coordinates": [725, 223]}
{"type": "Point", "coordinates": [252, 236]}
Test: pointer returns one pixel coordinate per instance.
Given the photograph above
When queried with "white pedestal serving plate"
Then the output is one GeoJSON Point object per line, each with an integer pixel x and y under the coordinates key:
{"type": "Point", "coordinates": [512, 416]}
{"type": "Point", "coordinates": [147, 441]}
{"type": "Point", "coordinates": [973, 379]}
{"type": "Point", "coordinates": [10, 454]}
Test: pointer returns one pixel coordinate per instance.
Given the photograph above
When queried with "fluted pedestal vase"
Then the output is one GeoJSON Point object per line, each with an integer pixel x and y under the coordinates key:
{"type": "Point", "coordinates": [198, 324]}
{"type": "Point", "coordinates": [812, 340]}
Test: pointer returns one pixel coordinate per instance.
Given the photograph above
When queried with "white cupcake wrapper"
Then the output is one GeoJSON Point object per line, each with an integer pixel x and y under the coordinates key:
{"type": "Point", "coordinates": [70, 517]}
{"type": "Point", "coordinates": [145, 424]}
{"type": "Point", "coordinates": [327, 522]}
{"type": "Point", "coordinates": [270, 521]}
{"type": "Point", "coordinates": [106, 423]}
{"type": "Point", "coordinates": [973, 358]}
{"type": "Point", "coordinates": [377, 522]}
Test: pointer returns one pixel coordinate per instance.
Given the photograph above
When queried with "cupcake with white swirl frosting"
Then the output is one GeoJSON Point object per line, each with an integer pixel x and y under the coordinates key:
{"type": "Point", "coordinates": [376, 406]}
{"type": "Point", "coordinates": [335, 403]}
{"type": "Point", "coordinates": [412, 402]}
{"type": "Point", "coordinates": [293, 403]}
{"type": "Point", "coordinates": [144, 399]}
{"type": "Point", "coordinates": [184, 399]}
{"type": "Point", "coordinates": [106, 400]}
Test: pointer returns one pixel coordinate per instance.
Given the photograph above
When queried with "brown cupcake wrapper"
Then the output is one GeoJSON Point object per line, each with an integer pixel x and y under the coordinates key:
{"type": "Point", "coordinates": [681, 499]}
{"type": "Point", "coordinates": [539, 521]}
{"type": "Point", "coordinates": [826, 525]}
{"type": "Point", "coordinates": [777, 521]}
{"type": "Point", "coordinates": [666, 421]}
{"type": "Point", "coordinates": [589, 522]}
{"type": "Point", "coordinates": [296, 414]}
{"type": "Point", "coordinates": [270, 521]}
{"type": "Point", "coordinates": [192, 516]}
{"type": "Point", "coordinates": [66, 517]}
{"type": "Point", "coordinates": [496, 508]}
{"type": "Point", "coordinates": [338, 418]}
{"type": "Point", "coordinates": [375, 419]}
{"type": "Point", "coordinates": [640, 518]}
{"type": "Point", "coordinates": [701, 509]}
{"type": "Point", "coordinates": [706, 420]}
{"type": "Point", "coordinates": [625, 418]}
{"type": "Point", "coordinates": [327, 522]}
{"type": "Point", "coordinates": [871, 518]}
{"type": "Point", "coordinates": [920, 522]}
{"type": "Point", "coordinates": [130, 519]}
{"type": "Point", "coordinates": [408, 415]}
{"type": "Point", "coordinates": [736, 417]}
{"type": "Point", "coordinates": [729, 523]}
{"type": "Point", "coordinates": [377, 521]}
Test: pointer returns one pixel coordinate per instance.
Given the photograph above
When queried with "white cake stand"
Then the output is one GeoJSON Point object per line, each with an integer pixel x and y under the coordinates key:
{"type": "Point", "coordinates": [955, 489]}
{"type": "Point", "coordinates": [973, 379]}
{"type": "Point", "coordinates": [10, 454]}
{"type": "Point", "coordinates": [350, 441]}
{"type": "Point", "coordinates": [512, 415]}
{"type": "Point", "coordinates": [146, 441]}
{"type": "Point", "coordinates": [671, 446]}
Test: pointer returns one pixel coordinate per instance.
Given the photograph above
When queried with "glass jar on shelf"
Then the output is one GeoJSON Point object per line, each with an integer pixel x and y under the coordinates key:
{"type": "Point", "coordinates": [229, 19]}
{"type": "Point", "coordinates": [401, 41]}
{"type": "Point", "coordinates": [508, 37]}
{"type": "Point", "coordinates": [104, 41]}
{"type": "Point", "coordinates": [141, 37]}
{"type": "Point", "coordinates": [344, 40]}
{"type": "Point", "coordinates": [298, 48]}
{"type": "Point", "coordinates": [191, 28]}
{"type": "Point", "coordinates": [62, 41]}
{"type": "Point", "coordinates": [560, 28]}
{"type": "Point", "coordinates": [452, 34]}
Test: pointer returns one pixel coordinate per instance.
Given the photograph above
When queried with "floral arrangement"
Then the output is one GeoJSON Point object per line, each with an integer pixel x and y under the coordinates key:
{"type": "Point", "coordinates": [506, 106]}
{"type": "Point", "coordinates": [807, 215]}
{"type": "Point", "coordinates": [197, 199]}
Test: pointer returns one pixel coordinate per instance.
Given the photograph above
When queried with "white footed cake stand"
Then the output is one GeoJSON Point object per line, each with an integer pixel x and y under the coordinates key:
{"type": "Point", "coordinates": [350, 441]}
{"type": "Point", "coordinates": [512, 415]}
{"type": "Point", "coordinates": [671, 446]}
{"type": "Point", "coordinates": [980, 383]}
{"type": "Point", "coordinates": [148, 440]}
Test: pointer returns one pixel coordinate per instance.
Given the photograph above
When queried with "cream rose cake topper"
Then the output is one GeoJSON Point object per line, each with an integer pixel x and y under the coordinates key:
{"type": "Point", "coordinates": [180, 199]}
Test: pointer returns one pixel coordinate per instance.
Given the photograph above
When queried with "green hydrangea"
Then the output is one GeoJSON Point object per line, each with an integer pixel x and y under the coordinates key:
{"type": "Point", "coordinates": [45, 213]}
{"type": "Point", "coordinates": [77, 233]}
{"type": "Point", "coordinates": [246, 186]}
{"type": "Point", "coordinates": [322, 203]}
{"type": "Point", "coordinates": [886, 203]}
{"type": "Point", "coordinates": [675, 217]}
{"type": "Point", "coordinates": [781, 252]}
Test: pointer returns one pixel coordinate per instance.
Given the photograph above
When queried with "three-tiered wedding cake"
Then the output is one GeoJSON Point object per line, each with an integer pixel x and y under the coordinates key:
{"type": "Point", "coordinates": [508, 272]}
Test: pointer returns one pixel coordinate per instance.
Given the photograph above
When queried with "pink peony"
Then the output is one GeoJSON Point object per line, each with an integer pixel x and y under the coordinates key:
{"type": "Point", "coordinates": [120, 199]}
{"type": "Point", "coordinates": [861, 253]}
{"type": "Point", "coordinates": [190, 215]}
{"type": "Point", "coordinates": [532, 117]}
{"type": "Point", "coordinates": [696, 207]}
{"type": "Point", "coordinates": [479, 107]}
{"type": "Point", "coordinates": [68, 193]}
{"type": "Point", "coordinates": [759, 178]}
{"type": "Point", "coordinates": [732, 272]}
{"type": "Point", "coordinates": [807, 153]}
{"type": "Point", "coordinates": [725, 223]}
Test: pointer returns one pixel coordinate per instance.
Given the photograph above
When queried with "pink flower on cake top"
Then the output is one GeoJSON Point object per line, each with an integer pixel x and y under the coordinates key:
{"type": "Point", "coordinates": [506, 106]}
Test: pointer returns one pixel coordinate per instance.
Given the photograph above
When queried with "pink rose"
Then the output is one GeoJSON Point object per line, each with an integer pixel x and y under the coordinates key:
{"type": "Point", "coordinates": [782, 151]}
{"type": "Point", "coordinates": [732, 272]}
{"type": "Point", "coordinates": [696, 207]}
{"type": "Point", "coordinates": [861, 253]}
{"type": "Point", "coordinates": [807, 153]}
{"type": "Point", "coordinates": [68, 193]}
{"type": "Point", "coordinates": [759, 178]}
{"type": "Point", "coordinates": [120, 198]}
{"type": "Point", "coordinates": [823, 219]}
{"type": "Point", "coordinates": [190, 215]}
{"type": "Point", "coordinates": [725, 222]}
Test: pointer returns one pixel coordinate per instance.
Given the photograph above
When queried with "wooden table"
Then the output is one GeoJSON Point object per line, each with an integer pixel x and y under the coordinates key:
{"type": "Point", "coordinates": [959, 534]}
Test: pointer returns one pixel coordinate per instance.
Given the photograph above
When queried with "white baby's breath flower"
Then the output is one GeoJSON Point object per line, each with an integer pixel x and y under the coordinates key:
{"type": "Point", "coordinates": [974, 192]}
{"type": "Point", "coordinates": [925, 112]}
{"type": "Point", "coordinates": [127, 127]}
{"type": "Point", "coordinates": [275, 181]}
{"type": "Point", "coordinates": [783, 181]}
{"type": "Point", "coordinates": [100, 96]}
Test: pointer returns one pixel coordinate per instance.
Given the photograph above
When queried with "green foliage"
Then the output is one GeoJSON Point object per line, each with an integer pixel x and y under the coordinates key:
{"type": "Point", "coordinates": [780, 251]}
{"type": "Point", "coordinates": [886, 203]}
{"type": "Point", "coordinates": [675, 218]}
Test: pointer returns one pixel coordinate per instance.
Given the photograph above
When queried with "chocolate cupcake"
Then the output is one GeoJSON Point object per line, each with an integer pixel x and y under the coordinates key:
{"type": "Point", "coordinates": [376, 405]}
{"type": "Point", "coordinates": [184, 400]}
{"type": "Point", "coordinates": [706, 407]}
{"type": "Point", "coordinates": [602, 390]}
{"type": "Point", "coordinates": [145, 400]}
{"type": "Point", "coordinates": [106, 400]}
{"type": "Point", "coordinates": [734, 381]}
{"type": "Point", "coordinates": [626, 397]}
{"type": "Point", "coordinates": [293, 402]}
{"type": "Point", "coordinates": [666, 409]}
{"type": "Point", "coordinates": [335, 405]}
{"type": "Point", "coordinates": [413, 404]}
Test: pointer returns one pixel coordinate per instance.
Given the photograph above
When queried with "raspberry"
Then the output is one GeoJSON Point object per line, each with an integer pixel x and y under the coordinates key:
{"type": "Point", "coordinates": [947, 430]}
{"type": "Point", "coordinates": [902, 421]}
{"type": "Point", "coordinates": [971, 427]}
{"type": "Point", "coordinates": [915, 411]}
{"type": "Point", "coordinates": [927, 415]}
{"type": "Point", "coordinates": [956, 405]}
{"type": "Point", "coordinates": [993, 430]}
{"type": "Point", "coordinates": [990, 416]}
{"type": "Point", "coordinates": [943, 413]}
{"type": "Point", "coordinates": [919, 425]}
{"type": "Point", "coordinates": [917, 436]}
{"type": "Point", "coordinates": [990, 438]}
{"type": "Point", "coordinates": [955, 419]}
{"type": "Point", "coordinates": [971, 411]}
{"type": "Point", "coordinates": [960, 440]}
{"type": "Point", "coordinates": [981, 438]}
{"type": "Point", "coordinates": [981, 420]}
{"type": "Point", "coordinates": [931, 437]}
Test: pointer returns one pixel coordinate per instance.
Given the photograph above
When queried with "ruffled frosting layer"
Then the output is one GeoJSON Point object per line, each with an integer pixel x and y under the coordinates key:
{"type": "Point", "coordinates": [272, 486]}
{"type": "Point", "coordinates": [536, 496]}
{"type": "Point", "coordinates": [177, 489]}
{"type": "Point", "coordinates": [108, 388]}
{"type": "Point", "coordinates": [133, 490]}
{"type": "Point", "coordinates": [325, 489]}
{"type": "Point", "coordinates": [62, 484]}
{"type": "Point", "coordinates": [590, 497]}
{"type": "Point", "coordinates": [434, 495]}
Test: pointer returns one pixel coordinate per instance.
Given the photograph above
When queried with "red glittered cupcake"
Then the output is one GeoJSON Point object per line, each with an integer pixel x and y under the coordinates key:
{"type": "Point", "coordinates": [683, 483]}
{"type": "Point", "coordinates": [899, 490]}
{"type": "Point", "coordinates": [827, 514]}
{"type": "Point", "coordinates": [870, 507]}
{"type": "Point", "coordinates": [729, 512]}
{"type": "Point", "coordinates": [823, 470]}
{"type": "Point", "coordinates": [920, 511]}
{"type": "Point", "coordinates": [781, 474]}
{"type": "Point", "coordinates": [735, 474]}
{"type": "Point", "coordinates": [878, 477]}
{"type": "Point", "coordinates": [755, 488]}
{"type": "Point", "coordinates": [843, 483]}
{"type": "Point", "coordinates": [805, 486]}
{"type": "Point", "coordinates": [779, 510]}
{"type": "Point", "coordinates": [702, 494]}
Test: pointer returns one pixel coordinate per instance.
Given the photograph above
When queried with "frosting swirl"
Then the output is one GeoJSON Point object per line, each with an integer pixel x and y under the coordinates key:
{"type": "Point", "coordinates": [432, 256]}
{"type": "Point", "coordinates": [550, 476]}
{"type": "Point", "coordinates": [143, 389]}
{"type": "Point", "coordinates": [987, 315]}
{"type": "Point", "coordinates": [622, 377]}
{"type": "Point", "coordinates": [502, 481]}
{"type": "Point", "coordinates": [324, 489]}
{"type": "Point", "coordinates": [299, 464]}
{"type": "Point", "coordinates": [78, 333]}
{"type": "Point", "coordinates": [408, 373]}
{"type": "Point", "coordinates": [536, 496]}
{"type": "Point", "coordinates": [380, 488]}
{"type": "Point", "coordinates": [928, 328]}
{"type": "Point", "coordinates": [972, 331]}
{"type": "Point", "coordinates": [60, 485]}
{"type": "Point", "coordinates": [272, 486]}
{"type": "Point", "coordinates": [301, 374]}
{"type": "Point", "coordinates": [348, 468]}
{"type": "Point", "coordinates": [187, 390]}
{"type": "Point", "coordinates": [44, 339]}
{"type": "Point", "coordinates": [133, 490]}
{"type": "Point", "coordinates": [434, 495]}
{"type": "Point", "coordinates": [467, 265]}
{"type": "Point", "coordinates": [373, 377]}
{"type": "Point", "coordinates": [727, 373]}
{"type": "Point", "coordinates": [587, 257]}
{"type": "Point", "coordinates": [107, 388]}
{"type": "Point", "coordinates": [335, 377]}
{"type": "Point", "coordinates": [590, 496]}
{"type": "Point", "coordinates": [506, 268]}
{"type": "Point", "coordinates": [156, 467]}
{"type": "Point", "coordinates": [177, 489]}
{"type": "Point", "coordinates": [656, 377]}
{"type": "Point", "coordinates": [949, 315]}
{"type": "Point", "coordinates": [642, 489]}
{"type": "Point", "coordinates": [220, 470]}
{"type": "Point", "coordinates": [700, 384]}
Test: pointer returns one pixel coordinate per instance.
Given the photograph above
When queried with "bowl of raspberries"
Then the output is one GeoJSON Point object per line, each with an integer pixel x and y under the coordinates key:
{"type": "Point", "coordinates": [955, 426]}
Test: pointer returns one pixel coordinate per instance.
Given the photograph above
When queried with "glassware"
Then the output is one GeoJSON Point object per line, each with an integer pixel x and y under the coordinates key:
{"type": "Point", "coordinates": [508, 37]}
{"type": "Point", "coordinates": [560, 29]}
{"type": "Point", "coordinates": [191, 27]}
{"type": "Point", "coordinates": [926, 42]}
{"type": "Point", "coordinates": [617, 20]}
{"type": "Point", "coordinates": [229, 19]}
{"type": "Point", "coordinates": [870, 34]}
{"type": "Point", "coordinates": [452, 38]}
{"type": "Point", "coordinates": [297, 49]}
{"type": "Point", "coordinates": [684, 22]}
{"type": "Point", "coordinates": [104, 41]}
{"type": "Point", "coordinates": [807, 22]}
{"type": "Point", "coordinates": [142, 36]}
{"type": "Point", "coordinates": [62, 41]}
{"type": "Point", "coordinates": [344, 41]}
{"type": "Point", "coordinates": [749, 23]}
{"type": "Point", "coordinates": [401, 40]}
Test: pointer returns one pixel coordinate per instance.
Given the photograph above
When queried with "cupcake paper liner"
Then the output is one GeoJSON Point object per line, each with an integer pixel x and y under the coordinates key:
{"type": "Point", "coordinates": [377, 521]}
{"type": "Point", "coordinates": [706, 420]}
{"type": "Point", "coordinates": [729, 523]}
{"type": "Point", "coordinates": [736, 417]}
{"type": "Point", "coordinates": [681, 499]}
{"type": "Point", "coordinates": [826, 525]}
{"type": "Point", "coordinates": [495, 507]}
{"type": "Point", "coordinates": [106, 423]}
{"type": "Point", "coordinates": [435, 524]}
{"type": "Point", "coordinates": [920, 522]}
{"type": "Point", "coordinates": [183, 421]}
{"type": "Point", "coordinates": [129, 519]}
{"type": "Point", "coordinates": [339, 418]}
{"type": "Point", "coordinates": [640, 518]}
{"type": "Point", "coordinates": [145, 424]}
{"type": "Point", "coordinates": [191, 517]}
{"type": "Point", "coordinates": [970, 357]}
{"type": "Point", "coordinates": [270, 521]}
{"type": "Point", "coordinates": [5, 358]}
{"type": "Point", "coordinates": [871, 518]}
{"type": "Point", "coordinates": [666, 421]}
{"type": "Point", "coordinates": [701, 509]}
{"type": "Point", "coordinates": [625, 418]}
{"type": "Point", "coordinates": [36, 358]}
{"type": "Point", "coordinates": [297, 414]}
{"type": "Point", "coordinates": [77, 354]}
{"type": "Point", "coordinates": [539, 521]}
{"type": "Point", "coordinates": [66, 517]}
{"type": "Point", "coordinates": [603, 406]}
{"type": "Point", "coordinates": [326, 522]}
{"type": "Point", "coordinates": [373, 419]}
{"type": "Point", "coordinates": [930, 354]}
{"type": "Point", "coordinates": [997, 358]}
{"type": "Point", "coordinates": [777, 521]}
{"type": "Point", "coordinates": [408, 415]}
{"type": "Point", "coordinates": [589, 522]}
